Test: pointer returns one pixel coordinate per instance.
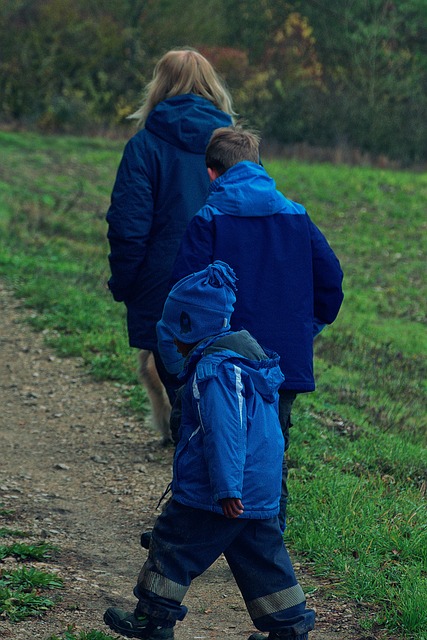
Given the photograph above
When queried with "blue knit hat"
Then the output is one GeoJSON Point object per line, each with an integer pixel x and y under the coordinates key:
{"type": "Point", "coordinates": [200, 305]}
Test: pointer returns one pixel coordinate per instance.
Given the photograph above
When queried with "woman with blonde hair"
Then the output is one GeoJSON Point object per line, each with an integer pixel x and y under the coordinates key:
{"type": "Point", "coordinates": [161, 183]}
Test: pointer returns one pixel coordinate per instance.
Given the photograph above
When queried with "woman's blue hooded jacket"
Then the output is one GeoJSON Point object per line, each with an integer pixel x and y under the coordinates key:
{"type": "Point", "coordinates": [289, 280]}
{"type": "Point", "coordinates": [230, 441]}
{"type": "Point", "coordinates": [161, 183]}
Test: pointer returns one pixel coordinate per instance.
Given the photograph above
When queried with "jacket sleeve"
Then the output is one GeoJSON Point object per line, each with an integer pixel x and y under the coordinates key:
{"type": "Point", "coordinates": [223, 420]}
{"type": "Point", "coordinates": [327, 278]}
{"type": "Point", "coordinates": [196, 249]}
{"type": "Point", "coordinates": [129, 218]}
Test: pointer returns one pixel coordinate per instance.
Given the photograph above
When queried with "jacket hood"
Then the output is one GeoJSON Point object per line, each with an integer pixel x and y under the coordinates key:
{"type": "Point", "coordinates": [261, 364]}
{"type": "Point", "coordinates": [247, 190]}
{"type": "Point", "coordinates": [186, 121]}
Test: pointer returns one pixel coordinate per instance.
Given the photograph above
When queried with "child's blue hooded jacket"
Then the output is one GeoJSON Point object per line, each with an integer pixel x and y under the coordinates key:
{"type": "Point", "coordinates": [288, 278]}
{"type": "Point", "coordinates": [161, 182]}
{"type": "Point", "coordinates": [230, 441]}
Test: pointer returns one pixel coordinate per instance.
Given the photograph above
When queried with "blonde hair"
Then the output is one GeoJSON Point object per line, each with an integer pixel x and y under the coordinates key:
{"type": "Point", "coordinates": [230, 145]}
{"type": "Point", "coordinates": [182, 71]}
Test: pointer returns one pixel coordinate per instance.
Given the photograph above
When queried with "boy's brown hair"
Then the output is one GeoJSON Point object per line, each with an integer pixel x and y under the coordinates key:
{"type": "Point", "coordinates": [230, 145]}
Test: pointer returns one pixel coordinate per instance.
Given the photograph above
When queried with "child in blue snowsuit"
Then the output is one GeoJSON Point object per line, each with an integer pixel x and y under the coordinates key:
{"type": "Point", "coordinates": [226, 476]}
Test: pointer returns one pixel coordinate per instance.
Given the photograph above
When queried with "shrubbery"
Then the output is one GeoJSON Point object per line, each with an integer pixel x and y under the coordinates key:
{"type": "Point", "coordinates": [349, 74]}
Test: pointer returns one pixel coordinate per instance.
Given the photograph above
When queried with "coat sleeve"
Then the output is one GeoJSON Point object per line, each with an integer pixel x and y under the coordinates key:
{"type": "Point", "coordinates": [130, 219]}
{"type": "Point", "coordinates": [327, 278]}
{"type": "Point", "coordinates": [223, 419]}
{"type": "Point", "coordinates": [197, 246]}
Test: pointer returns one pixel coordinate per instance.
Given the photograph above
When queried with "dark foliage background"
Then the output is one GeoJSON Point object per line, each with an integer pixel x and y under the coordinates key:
{"type": "Point", "coordinates": [340, 74]}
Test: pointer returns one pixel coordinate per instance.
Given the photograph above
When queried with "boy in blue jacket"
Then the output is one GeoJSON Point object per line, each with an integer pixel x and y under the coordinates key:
{"type": "Point", "coordinates": [226, 475]}
{"type": "Point", "coordinates": [290, 280]}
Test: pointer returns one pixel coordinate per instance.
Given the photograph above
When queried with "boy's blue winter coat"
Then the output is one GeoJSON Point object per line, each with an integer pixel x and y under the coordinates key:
{"type": "Point", "coordinates": [161, 182]}
{"type": "Point", "coordinates": [231, 443]}
{"type": "Point", "coordinates": [289, 279]}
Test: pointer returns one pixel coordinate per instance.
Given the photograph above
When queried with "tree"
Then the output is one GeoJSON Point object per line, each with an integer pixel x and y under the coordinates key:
{"type": "Point", "coordinates": [339, 72]}
{"type": "Point", "coordinates": [374, 54]}
{"type": "Point", "coordinates": [65, 65]}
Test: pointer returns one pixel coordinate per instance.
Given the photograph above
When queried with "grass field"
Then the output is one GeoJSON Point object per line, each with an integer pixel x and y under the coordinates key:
{"type": "Point", "coordinates": [358, 453]}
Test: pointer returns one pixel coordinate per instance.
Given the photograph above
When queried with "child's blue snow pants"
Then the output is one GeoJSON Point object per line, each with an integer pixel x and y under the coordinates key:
{"type": "Point", "coordinates": [186, 541]}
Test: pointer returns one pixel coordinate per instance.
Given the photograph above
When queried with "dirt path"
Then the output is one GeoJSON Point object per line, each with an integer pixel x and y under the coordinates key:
{"type": "Point", "coordinates": [81, 476]}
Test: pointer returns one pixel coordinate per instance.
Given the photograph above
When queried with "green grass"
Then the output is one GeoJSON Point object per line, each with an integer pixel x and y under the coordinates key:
{"type": "Point", "coordinates": [6, 532]}
{"type": "Point", "coordinates": [18, 604]}
{"type": "Point", "coordinates": [23, 589]}
{"type": "Point", "coordinates": [359, 476]}
{"type": "Point", "coordinates": [24, 551]}
{"type": "Point", "coordinates": [358, 458]}
{"type": "Point", "coordinates": [25, 577]}
{"type": "Point", "coordinates": [82, 635]}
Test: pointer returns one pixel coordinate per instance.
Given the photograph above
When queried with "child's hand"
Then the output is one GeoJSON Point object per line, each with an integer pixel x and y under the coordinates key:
{"type": "Point", "coordinates": [232, 507]}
